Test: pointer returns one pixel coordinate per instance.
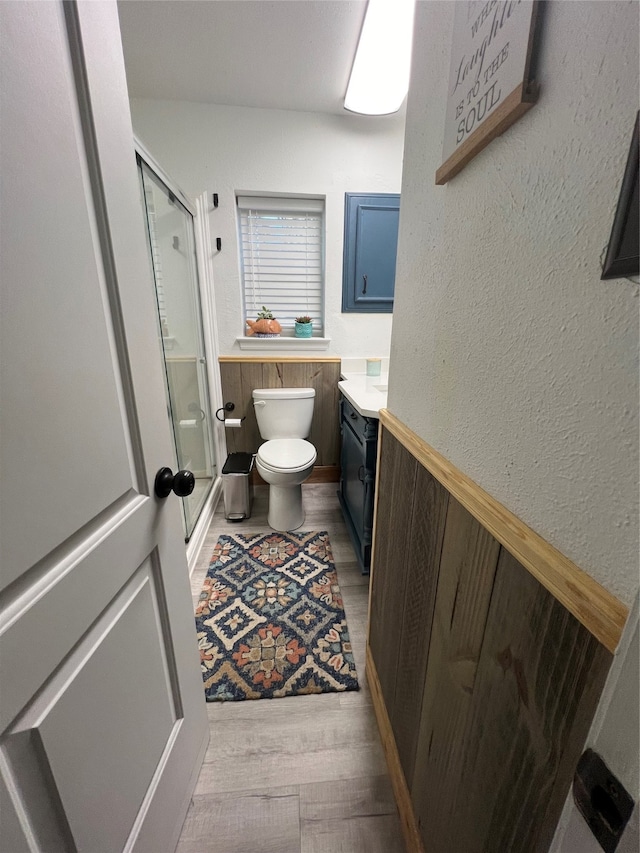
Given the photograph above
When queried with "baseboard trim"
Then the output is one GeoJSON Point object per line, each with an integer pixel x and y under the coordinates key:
{"type": "Point", "coordinates": [320, 474]}
{"type": "Point", "coordinates": [202, 526]}
{"type": "Point", "coordinates": [408, 823]}
{"type": "Point", "coordinates": [325, 474]}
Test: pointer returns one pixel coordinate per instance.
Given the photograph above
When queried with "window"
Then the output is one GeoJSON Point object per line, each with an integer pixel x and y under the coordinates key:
{"type": "Point", "coordinates": [282, 259]}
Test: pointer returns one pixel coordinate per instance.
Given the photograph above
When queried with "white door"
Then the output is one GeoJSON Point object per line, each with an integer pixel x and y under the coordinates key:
{"type": "Point", "coordinates": [102, 716]}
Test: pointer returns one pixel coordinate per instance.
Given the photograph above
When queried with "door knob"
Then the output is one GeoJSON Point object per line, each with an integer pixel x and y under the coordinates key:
{"type": "Point", "coordinates": [182, 483]}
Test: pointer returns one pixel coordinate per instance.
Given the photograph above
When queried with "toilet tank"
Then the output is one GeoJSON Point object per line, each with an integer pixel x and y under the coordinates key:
{"type": "Point", "coordinates": [284, 412]}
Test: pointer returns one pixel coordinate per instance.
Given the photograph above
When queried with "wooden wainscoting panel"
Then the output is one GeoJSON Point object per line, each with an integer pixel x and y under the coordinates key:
{"type": "Point", "coordinates": [300, 375]}
{"type": "Point", "coordinates": [395, 491]}
{"type": "Point", "coordinates": [467, 570]}
{"type": "Point", "coordinates": [325, 428]}
{"type": "Point", "coordinates": [232, 386]}
{"type": "Point", "coordinates": [408, 824]}
{"type": "Point", "coordinates": [239, 378]}
{"type": "Point", "coordinates": [594, 606]}
{"type": "Point", "coordinates": [534, 694]}
{"type": "Point", "coordinates": [252, 377]}
{"type": "Point", "coordinates": [320, 474]}
{"type": "Point", "coordinates": [328, 376]}
{"type": "Point", "coordinates": [231, 378]}
{"type": "Point", "coordinates": [272, 375]}
{"type": "Point", "coordinates": [509, 674]}
{"type": "Point", "coordinates": [426, 526]}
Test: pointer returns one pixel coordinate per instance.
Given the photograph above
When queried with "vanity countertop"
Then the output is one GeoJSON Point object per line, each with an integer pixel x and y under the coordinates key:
{"type": "Point", "coordinates": [367, 393]}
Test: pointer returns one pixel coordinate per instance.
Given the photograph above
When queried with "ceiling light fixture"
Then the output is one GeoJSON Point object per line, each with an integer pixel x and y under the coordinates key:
{"type": "Point", "coordinates": [380, 73]}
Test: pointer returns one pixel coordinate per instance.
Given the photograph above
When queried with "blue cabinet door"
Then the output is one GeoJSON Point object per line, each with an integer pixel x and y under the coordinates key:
{"type": "Point", "coordinates": [353, 492]}
{"type": "Point", "coordinates": [357, 478]}
{"type": "Point", "coordinates": [370, 247]}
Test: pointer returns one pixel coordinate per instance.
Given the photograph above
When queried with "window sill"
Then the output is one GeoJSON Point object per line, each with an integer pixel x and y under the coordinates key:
{"type": "Point", "coordinates": [283, 343]}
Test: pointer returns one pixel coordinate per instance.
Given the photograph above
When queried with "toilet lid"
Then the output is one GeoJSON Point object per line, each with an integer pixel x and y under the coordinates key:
{"type": "Point", "coordinates": [287, 454]}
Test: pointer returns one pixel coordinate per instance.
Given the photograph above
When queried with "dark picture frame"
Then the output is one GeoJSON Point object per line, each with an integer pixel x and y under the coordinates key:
{"type": "Point", "coordinates": [623, 252]}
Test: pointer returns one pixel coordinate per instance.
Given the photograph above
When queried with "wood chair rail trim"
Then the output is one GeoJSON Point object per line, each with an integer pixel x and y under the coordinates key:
{"type": "Point", "coordinates": [593, 606]}
{"type": "Point", "coordinates": [274, 359]}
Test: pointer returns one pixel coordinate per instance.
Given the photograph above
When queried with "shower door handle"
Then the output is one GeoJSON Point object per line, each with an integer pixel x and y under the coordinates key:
{"type": "Point", "coordinates": [182, 483]}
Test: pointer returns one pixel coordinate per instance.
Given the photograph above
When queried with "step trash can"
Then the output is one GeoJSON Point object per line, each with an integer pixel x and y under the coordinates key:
{"type": "Point", "coordinates": [237, 490]}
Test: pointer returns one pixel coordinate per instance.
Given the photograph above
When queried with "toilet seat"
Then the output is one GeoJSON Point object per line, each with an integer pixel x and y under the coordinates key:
{"type": "Point", "coordinates": [286, 454]}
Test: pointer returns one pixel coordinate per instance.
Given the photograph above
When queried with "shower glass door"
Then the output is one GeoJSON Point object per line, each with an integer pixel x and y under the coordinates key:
{"type": "Point", "coordinates": [171, 235]}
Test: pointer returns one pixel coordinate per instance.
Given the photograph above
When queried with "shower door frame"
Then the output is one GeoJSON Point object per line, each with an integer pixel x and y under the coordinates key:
{"type": "Point", "coordinates": [206, 294]}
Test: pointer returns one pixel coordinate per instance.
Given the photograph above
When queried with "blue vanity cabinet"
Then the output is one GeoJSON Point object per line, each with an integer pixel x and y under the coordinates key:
{"type": "Point", "coordinates": [370, 246]}
{"type": "Point", "coordinates": [357, 477]}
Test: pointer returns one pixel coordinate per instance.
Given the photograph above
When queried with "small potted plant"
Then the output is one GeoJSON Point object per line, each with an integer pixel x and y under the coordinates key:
{"type": "Point", "coordinates": [304, 326]}
{"type": "Point", "coordinates": [266, 326]}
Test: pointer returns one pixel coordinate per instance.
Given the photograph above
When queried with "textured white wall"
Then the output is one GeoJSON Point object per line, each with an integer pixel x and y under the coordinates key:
{"type": "Point", "coordinates": [508, 353]}
{"type": "Point", "coordinates": [229, 149]}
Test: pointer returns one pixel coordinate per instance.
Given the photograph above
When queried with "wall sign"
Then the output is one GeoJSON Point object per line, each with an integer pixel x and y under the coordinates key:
{"type": "Point", "coordinates": [623, 252]}
{"type": "Point", "coordinates": [489, 79]}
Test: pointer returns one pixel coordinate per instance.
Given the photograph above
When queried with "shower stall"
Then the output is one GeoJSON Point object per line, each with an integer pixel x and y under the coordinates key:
{"type": "Point", "coordinates": [172, 250]}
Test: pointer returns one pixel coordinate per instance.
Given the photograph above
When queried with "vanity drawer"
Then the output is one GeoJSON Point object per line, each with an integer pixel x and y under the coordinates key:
{"type": "Point", "coordinates": [352, 416]}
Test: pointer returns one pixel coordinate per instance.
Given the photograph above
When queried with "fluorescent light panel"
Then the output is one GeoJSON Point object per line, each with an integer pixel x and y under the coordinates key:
{"type": "Point", "coordinates": [380, 75]}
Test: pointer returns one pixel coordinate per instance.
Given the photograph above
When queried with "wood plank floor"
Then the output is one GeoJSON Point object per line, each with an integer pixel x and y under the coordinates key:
{"type": "Point", "coordinates": [303, 774]}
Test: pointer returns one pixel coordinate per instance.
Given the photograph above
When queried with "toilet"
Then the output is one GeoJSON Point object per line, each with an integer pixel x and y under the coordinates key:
{"type": "Point", "coordinates": [285, 460]}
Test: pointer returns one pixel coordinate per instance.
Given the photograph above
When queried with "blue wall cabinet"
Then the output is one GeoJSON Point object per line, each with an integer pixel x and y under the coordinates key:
{"type": "Point", "coordinates": [370, 246]}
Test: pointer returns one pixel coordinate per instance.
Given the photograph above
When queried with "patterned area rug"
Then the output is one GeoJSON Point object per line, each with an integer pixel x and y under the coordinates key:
{"type": "Point", "coordinates": [270, 619]}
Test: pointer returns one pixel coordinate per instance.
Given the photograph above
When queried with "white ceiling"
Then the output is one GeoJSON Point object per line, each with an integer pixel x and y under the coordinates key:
{"type": "Point", "coordinates": [275, 54]}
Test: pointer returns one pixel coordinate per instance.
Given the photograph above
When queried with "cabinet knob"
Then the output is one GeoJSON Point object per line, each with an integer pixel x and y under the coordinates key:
{"type": "Point", "coordinates": [354, 416]}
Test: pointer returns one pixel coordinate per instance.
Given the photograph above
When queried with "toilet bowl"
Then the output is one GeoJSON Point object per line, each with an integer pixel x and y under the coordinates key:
{"type": "Point", "coordinates": [285, 463]}
{"type": "Point", "coordinates": [285, 460]}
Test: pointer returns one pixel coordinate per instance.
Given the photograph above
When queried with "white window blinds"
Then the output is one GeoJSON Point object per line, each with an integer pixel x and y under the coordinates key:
{"type": "Point", "coordinates": [281, 249]}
